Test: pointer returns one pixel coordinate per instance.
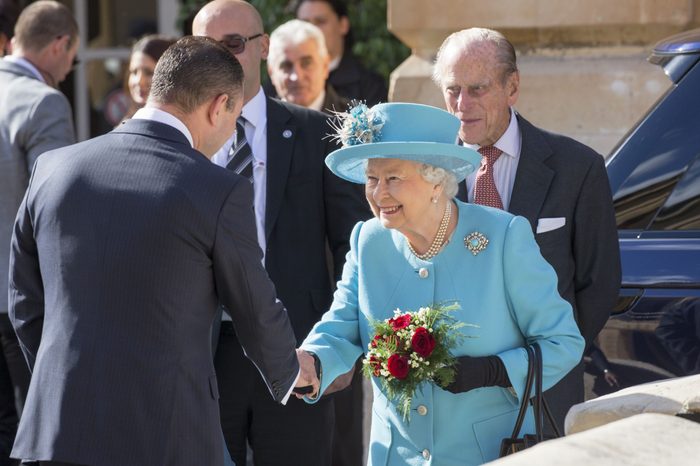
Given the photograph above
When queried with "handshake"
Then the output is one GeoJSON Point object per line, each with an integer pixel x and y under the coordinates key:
{"type": "Point", "coordinates": [309, 383]}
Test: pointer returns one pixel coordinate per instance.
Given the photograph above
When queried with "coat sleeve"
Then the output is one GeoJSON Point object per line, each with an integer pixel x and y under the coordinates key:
{"type": "Point", "coordinates": [26, 287]}
{"type": "Point", "coordinates": [596, 252]}
{"type": "Point", "coordinates": [335, 339]}
{"type": "Point", "coordinates": [259, 318]}
{"type": "Point", "coordinates": [541, 314]}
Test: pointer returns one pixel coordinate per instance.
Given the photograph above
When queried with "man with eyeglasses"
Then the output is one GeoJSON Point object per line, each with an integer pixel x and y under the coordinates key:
{"type": "Point", "coordinates": [34, 118]}
{"type": "Point", "coordinates": [300, 207]}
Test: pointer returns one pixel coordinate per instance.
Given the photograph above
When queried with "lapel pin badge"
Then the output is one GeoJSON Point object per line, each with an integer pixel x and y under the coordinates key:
{"type": "Point", "coordinates": [287, 133]}
{"type": "Point", "coordinates": [475, 242]}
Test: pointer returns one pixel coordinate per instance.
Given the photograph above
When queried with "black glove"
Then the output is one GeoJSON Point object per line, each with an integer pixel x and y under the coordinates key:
{"type": "Point", "coordinates": [471, 373]}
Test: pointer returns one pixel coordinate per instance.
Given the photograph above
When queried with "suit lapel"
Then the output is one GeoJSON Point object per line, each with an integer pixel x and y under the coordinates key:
{"type": "Point", "coordinates": [533, 177]}
{"type": "Point", "coordinates": [281, 134]}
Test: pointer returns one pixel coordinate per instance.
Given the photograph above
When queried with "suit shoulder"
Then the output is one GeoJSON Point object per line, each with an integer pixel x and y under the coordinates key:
{"type": "Point", "coordinates": [302, 115]}
{"type": "Point", "coordinates": [564, 148]}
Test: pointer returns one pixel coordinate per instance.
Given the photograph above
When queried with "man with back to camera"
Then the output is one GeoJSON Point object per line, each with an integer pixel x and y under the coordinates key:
{"type": "Point", "coordinates": [558, 184]}
{"type": "Point", "coordinates": [300, 207]}
{"type": "Point", "coordinates": [123, 247]}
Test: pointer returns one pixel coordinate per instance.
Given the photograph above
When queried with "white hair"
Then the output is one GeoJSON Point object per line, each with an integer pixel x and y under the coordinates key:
{"type": "Point", "coordinates": [437, 175]}
{"type": "Point", "coordinates": [294, 32]}
{"type": "Point", "coordinates": [462, 40]}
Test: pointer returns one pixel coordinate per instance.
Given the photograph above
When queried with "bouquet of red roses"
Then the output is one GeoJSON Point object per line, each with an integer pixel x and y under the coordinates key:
{"type": "Point", "coordinates": [411, 348]}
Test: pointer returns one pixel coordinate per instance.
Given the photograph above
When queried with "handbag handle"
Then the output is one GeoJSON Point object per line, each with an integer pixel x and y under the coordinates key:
{"type": "Point", "coordinates": [540, 406]}
{"type": "Point", "coordinates": [526, 394]}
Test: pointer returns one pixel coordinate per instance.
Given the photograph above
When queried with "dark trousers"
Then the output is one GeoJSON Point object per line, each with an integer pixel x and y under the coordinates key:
{"type": "Point", "coordinates": [562, 396]}
{"type": "Point", "coordinates": [347, 438]}
{"type": "Point", "coordinates": [278, 435]}
{"type": "Point", "coordinates": [14, 383]}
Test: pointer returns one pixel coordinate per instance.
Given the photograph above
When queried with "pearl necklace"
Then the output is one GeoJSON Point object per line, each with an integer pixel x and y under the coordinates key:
{"type": "Point", "coordinates": [439, 240]}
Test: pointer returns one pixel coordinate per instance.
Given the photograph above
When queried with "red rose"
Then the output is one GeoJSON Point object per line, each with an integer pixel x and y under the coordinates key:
{"type": "Point", "coordinates": [375, 340]}
{"type": "Point", "coordinates": [400, 322]}
{"type": "Point", "coordinates": [398, 366]}
{"type": "Point", "coordinates": [423, 342]}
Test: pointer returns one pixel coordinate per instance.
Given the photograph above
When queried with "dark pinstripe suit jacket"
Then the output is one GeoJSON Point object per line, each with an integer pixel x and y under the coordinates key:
{"type": "Point", "coordinates": [122, 248]}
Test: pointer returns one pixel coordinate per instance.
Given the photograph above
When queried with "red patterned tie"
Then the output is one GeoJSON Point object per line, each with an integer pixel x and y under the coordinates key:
{"type": "Point", "coordinates": [485, 192]}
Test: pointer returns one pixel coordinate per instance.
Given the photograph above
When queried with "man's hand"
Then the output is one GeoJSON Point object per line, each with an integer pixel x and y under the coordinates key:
{"type": "Point", "coordinates": [308, 376]}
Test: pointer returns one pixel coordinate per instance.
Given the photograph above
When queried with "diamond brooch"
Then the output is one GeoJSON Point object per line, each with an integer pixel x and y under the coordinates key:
{"type": "Point", "coordinates": [476, 242]}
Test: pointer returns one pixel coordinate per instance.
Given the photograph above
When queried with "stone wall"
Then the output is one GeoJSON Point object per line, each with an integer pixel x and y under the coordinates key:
{"type": "Point", "coordinates": [583, 63]}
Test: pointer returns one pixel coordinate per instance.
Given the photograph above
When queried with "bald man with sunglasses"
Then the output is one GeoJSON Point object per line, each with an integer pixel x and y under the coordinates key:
{"type": "Point", "coordinates": [300, 207]}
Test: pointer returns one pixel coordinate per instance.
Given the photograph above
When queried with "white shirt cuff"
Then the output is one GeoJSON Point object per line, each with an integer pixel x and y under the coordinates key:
{"type": "Point", "coordinates": [289, 393]}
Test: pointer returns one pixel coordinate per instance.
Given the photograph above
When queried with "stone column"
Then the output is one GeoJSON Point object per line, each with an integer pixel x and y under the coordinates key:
{"type": "Point", "coordinates": [583, 63]}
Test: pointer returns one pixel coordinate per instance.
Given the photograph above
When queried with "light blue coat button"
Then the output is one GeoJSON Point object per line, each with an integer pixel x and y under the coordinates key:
{"type": "Point", "coordinates": [423, 272]}
{"type": "Point", "coordinates": [422, 410]}
{"type": "Point", "coordinates": [426, 454]}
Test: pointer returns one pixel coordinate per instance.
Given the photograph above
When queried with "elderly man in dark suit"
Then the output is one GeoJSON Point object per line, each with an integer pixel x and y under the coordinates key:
{"type": "Point", "coordinates": [122, 249]}
{"type": "Point", "coordinates": [34, 117]}
{"type": "Point", "coordinates": [558, 184]}
{"type": "Point", "coordinates": [300, 208]}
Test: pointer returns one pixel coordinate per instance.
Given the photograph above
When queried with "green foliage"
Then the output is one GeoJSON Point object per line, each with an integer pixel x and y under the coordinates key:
{"type": "Point", "coordinates": [376, 47]}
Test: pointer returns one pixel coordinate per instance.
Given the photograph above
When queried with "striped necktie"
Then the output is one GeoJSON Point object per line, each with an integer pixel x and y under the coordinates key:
{"type": "Point", "coordinates": [240, 154]}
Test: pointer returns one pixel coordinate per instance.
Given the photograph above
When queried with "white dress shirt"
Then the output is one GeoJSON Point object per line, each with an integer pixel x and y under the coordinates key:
{"type": "Point", "coordinates": [507, 164]}
{"type": "Point", "coordinates": [317, 104]}
{"type": "Point", "coordinates": [255, 114]}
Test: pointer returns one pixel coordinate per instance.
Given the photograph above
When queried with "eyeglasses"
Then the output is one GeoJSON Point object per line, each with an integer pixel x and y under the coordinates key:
{"type": "Point", "coordinates": [236, 42]}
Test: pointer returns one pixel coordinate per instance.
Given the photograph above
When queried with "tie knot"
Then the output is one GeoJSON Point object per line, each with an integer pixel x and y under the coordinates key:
{"type": "Point", "coordinates": [490, 154]}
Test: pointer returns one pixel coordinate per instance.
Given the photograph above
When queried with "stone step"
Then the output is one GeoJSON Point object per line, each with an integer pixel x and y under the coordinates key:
{"type": "Point", "coordinates": [673, 396]}
{"type": "Point", "coordinates": [649, 438]}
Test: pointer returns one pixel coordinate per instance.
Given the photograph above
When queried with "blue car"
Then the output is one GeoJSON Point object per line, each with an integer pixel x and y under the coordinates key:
{"type": "Point", "coordinates": [654, 331]}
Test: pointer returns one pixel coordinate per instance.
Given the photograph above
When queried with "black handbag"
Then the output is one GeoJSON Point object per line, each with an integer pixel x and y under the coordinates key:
{"type": "Point", "coordinates": [515, 443]}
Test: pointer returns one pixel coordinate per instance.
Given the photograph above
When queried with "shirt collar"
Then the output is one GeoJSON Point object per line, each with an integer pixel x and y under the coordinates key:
{"type": "Point", "coordinates": [26, 64]}
{"type": "Point", "coordinates": [510, 141]}
{"type": "Point", "coordinates": [255, 111]}
{"type": "Point", "coordinates": [335, 63]}
{"type": "Point", "coordinates": [161, 116]}
{"type": "Point", "coordinates": [317, 104]}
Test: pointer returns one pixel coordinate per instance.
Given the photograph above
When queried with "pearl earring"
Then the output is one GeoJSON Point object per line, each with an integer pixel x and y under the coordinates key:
{"type": "Point", "coordinates": [434, 200]}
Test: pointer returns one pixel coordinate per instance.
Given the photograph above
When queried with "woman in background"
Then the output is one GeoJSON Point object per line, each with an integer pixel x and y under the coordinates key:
{"type": "Point", "coordinates": [142, 62]}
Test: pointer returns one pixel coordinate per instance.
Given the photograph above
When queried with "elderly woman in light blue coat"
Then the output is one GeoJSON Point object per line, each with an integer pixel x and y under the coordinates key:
{"type": "Point", "coordinates": [425, 247]}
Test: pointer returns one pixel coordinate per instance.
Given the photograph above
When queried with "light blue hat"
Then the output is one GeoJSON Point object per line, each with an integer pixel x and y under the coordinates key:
{"type": "Point", "coordinates": [414, 132]}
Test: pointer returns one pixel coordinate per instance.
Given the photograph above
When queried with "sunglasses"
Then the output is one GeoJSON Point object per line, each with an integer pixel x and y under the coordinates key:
{"type": "Point", "coordinates": [236, 42]}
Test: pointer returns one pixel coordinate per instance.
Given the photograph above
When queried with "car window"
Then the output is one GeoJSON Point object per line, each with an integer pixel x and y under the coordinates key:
{"type": "Point", "coordinates": [645, 169]}
{"type": "Point", "coordinates": [681, 211]}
